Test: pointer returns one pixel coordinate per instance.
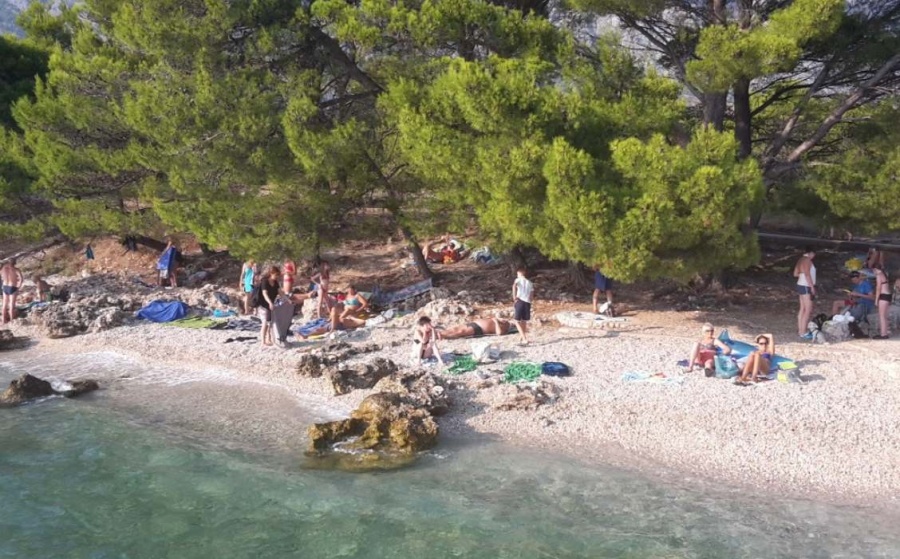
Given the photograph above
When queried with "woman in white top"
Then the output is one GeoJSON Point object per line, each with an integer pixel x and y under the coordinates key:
{"type": "Point", "coordinates": [805, 272]}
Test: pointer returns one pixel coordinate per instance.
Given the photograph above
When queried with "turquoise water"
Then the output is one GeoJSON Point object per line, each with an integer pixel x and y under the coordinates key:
{"type": "Point", "coordinates": [120, 474]}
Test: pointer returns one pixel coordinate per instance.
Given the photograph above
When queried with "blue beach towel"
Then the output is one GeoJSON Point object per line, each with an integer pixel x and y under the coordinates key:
{"type": "Point", "coordinates": [166, 260]}
{"type": "Point", "coordinates": [163, 311]}
{"type": "Point", "coordinates": [311, 326]}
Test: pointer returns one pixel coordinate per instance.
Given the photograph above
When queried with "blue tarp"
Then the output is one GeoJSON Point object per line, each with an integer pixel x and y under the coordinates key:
{"type": "Point", "coordinates": [163, 311]}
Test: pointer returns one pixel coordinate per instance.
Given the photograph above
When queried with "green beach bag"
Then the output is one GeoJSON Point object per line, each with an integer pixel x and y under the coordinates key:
{"type": "Point", "coordinates": [726, 367]}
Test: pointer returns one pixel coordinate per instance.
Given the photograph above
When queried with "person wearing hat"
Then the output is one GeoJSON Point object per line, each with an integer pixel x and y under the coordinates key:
{"type": "Point", "coordinates": [860, 300]}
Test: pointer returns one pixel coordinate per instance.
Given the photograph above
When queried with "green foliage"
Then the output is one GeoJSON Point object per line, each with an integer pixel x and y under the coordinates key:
{"type": "Point", "coordinates": [20, 63]}
{"type": "Point", "coordinates": [580, 171]}
{"type": "Point", "coordinates": [729, 52]}
{"type": "Point", "coordinates": [861, 182]}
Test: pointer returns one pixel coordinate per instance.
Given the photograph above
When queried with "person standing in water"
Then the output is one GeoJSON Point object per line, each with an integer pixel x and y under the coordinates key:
{"type": "Point", "coordinates": [805, 272]}
{"type": "Point", "coordinates": [12, 280]}
{"type": "Point", "coordinates": [523, 293]}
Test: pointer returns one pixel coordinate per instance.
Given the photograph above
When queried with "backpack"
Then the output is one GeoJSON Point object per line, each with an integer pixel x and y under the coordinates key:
{"type": "Point", "coordinates": [726, 367]}
{"type": "Point", "coordinates": [820, 320]}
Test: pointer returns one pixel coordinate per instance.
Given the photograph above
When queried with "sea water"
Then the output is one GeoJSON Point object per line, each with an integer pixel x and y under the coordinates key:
{"type": "Point", "coordinates": [187, 464]}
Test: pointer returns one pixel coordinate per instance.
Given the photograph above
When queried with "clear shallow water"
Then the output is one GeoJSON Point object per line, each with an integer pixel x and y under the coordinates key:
{"type": "Point", "coordinates": [111, 476]}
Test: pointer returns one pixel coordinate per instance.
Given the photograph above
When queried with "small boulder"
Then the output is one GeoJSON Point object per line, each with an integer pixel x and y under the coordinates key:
{"type": "Point", "coordinates": [346, 379]}
{"type": "Point", "coordinates": [24, 388]}
{"type": "Point", "coordinates": [28, 387]}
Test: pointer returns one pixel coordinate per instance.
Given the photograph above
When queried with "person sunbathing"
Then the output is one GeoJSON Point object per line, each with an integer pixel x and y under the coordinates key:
{"type": "Point", "coordinates": [760, 361]}
{"type": "Point", "coordinates": [354, 304]}
{"type": "Point", "coordinates": [704, 352]}
{"type": "Point", "coordinates": [336, 323]}
{"type": "Point", "coordinates": [477, 329]}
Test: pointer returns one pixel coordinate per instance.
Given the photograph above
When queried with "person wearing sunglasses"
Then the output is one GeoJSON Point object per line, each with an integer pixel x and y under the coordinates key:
{"type": "Point", "coordinates": [760, 361]}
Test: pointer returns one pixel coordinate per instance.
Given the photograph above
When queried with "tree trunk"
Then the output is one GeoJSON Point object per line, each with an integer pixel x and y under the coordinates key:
{"type": "Point", "coordinates": [416, 250]}
{"type": "Point", "coordinates": [517, 259]}
{"type": "Point", "coordinates": [579, 276]}
{"type": "Point", "coordinates": [742, 116]}
{"type": "Point", "coordinates": [714, 105]}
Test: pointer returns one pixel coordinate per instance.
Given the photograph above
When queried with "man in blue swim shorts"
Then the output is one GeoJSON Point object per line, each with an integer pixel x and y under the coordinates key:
{"type": "Point", "coordinates": [12, 280]}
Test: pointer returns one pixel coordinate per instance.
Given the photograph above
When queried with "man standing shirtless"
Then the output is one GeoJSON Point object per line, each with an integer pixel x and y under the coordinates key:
{"type": "Point", "coordinates": [12, 280]}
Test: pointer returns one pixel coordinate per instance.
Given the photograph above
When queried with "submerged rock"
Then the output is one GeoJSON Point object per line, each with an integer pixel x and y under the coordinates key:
{"type": "Point", "coordinates": [28, 387]}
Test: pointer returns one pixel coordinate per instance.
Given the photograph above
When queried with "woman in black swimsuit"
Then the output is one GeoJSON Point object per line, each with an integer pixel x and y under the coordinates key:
{"type": "Point", "coordinates": [883, 289]}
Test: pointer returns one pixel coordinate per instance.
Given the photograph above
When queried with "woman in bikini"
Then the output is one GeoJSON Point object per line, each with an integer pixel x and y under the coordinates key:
{"type": "Point", "coordinates": [760, 361]}
{"type": "Point", "coordinates": [704, 352]}
{"type": "Point", "coordinates": [323, 281]}
{"type": "Point", "coordinates": [289, 272]}
{"type": "Point", "coordinates": [477, 329]}
{"type": "Point", "coordinates": [885, 297]}
{"type": "Point", "coordinates": [354, 303]}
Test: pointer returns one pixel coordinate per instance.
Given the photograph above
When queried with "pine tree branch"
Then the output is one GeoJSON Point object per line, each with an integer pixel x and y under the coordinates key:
{"type": "Point", "coordinates": [850, 102]}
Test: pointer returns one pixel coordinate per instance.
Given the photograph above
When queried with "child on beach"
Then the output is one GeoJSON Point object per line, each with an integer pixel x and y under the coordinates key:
{"type": "Point", "coordinates": [704, 351]}
{"type": "Point", "coordinates": [523, 292]}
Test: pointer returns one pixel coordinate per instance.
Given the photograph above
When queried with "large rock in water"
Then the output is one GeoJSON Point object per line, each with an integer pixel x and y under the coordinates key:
{"type": "Point", "coordinates": [28, 387]}
{"type": "Point", "coordinates": [384, 432]}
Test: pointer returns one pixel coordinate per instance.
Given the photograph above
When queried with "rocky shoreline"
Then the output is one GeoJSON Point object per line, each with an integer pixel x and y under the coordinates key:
{"type": "Point", "coordinates": [832, 437]}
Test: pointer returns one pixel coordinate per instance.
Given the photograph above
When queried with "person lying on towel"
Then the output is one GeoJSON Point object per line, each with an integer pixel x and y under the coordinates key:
{"type": "Point", "coordinates": [477, 329]}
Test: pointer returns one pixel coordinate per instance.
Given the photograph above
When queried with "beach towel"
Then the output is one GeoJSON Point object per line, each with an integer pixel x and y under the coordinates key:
{"type": "Point", "coordinates": [194, 322]}
{"type": "Point", "coordinates": [463, 364]}
{"type": "Point", "coordinates": [163, 311]}
{"type": "Point", "coordinates": [166, 260]}
{"type": "Point", "coordinates": [252, 324]}
{"type": "Point", "coordinates": [522, 371]}
{"type": "Point", "coordinates": [217, 313]}
{"type": "Point", "coordinates": [312, 326]}
{"type": "Point", "coordinates": [657, 378]}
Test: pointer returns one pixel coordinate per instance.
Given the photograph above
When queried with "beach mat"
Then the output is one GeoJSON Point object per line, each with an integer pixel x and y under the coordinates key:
{"type": "Point", "coordinates": [741, 349]}
{"type": "Point", "coordinates": [193, 322]}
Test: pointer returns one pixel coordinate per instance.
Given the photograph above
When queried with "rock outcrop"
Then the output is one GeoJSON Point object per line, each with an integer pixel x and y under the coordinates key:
{"type": "Point", "coordinates": [386, 430]}
{"type": "Point", "coordinates": [28, 387]}
{"type": "Point", "coordinates": [9, 341]}
{"type": "Point", "coordinates": [345, 379]}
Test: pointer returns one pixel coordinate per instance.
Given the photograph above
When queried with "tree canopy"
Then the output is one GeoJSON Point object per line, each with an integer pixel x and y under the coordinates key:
{"type": "Point", "coordinates": [265, 126]}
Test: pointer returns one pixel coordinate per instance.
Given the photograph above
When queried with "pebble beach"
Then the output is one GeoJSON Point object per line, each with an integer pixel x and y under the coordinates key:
{"type": "Point", "coordinates": [832, 437]}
